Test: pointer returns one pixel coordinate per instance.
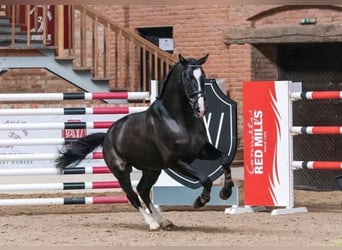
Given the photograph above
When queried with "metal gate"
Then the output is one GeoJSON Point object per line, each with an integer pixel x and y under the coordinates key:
{"type": "Point", "coordinates": [318, 67]}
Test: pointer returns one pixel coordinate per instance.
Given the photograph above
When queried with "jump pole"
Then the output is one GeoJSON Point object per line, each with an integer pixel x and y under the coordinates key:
{"type": "Point", "coordinates": [54, 171]}
{"type": "Point", "coordinates": [42, 156]}
{"type": "Point", "coordinates": [72, 111]}
{"type": "Point", "coordinates": [63, 201]}
{"type": "Point", "coordinates": [62, 186]}
{"type": "Point", "coordinates": [124, 95]}
{"type": "Point", "coordinates": [56, 125]}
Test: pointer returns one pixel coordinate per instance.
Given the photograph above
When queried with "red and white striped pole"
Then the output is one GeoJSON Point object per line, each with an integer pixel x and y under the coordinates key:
{"type": "Point", "coordinates": [317, 130]}
{"type": "Point", "coordinates": [73, 111]}
{"type": "Point", "coordinates": [316, 95]}
{"type": "Point", "coordinates": [124, 95]}
{"type": "Point", "coordinates": [333, 165]}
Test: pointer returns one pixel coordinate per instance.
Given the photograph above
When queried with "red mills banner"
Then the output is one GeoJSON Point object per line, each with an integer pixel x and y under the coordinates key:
{"type": "Point", "coordinates": [266, 140]}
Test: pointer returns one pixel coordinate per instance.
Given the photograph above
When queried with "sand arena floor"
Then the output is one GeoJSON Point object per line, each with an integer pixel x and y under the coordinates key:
{"type": "Point", "coordinates": [122, 225]}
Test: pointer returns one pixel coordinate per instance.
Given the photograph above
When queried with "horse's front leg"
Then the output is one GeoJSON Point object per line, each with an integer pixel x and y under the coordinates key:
{"type": "Point", "coordinates": [204, 198]}
{"type": "Point", "coordinates": [228, 185]}
{"type": "Point", "coordinates": [187, 170]}
{"type": "Point", "coordinates": [209, 152]}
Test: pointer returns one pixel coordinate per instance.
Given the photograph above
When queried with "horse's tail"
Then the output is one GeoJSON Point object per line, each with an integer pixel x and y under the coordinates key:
{"type": "Point", "coordinates": [79, 150]}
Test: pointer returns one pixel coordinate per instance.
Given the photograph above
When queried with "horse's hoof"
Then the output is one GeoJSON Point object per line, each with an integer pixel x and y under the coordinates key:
{"type": "Point", "coordinates": [225, 193]}
{"type": "Point", "coordinates": [167, 225]}
{"type": "Point", "coordinates": [199, 203]}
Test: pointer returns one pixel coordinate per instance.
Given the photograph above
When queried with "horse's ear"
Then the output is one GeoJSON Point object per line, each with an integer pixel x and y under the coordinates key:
{"type": "Point", "coordinates": [202, 60]}
{"type": "Point", "coordinates": [182, 60]}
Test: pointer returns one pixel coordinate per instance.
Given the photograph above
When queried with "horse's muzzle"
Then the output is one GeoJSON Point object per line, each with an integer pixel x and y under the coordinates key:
{"type": "Point", "coordinates": [197, 101]}
{"type": "Point", "coordinates": [199, 106]}
{"type": "Point", "coordinates": [200, 109]}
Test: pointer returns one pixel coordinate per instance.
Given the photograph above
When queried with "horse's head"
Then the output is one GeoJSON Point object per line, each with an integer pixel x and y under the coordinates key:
{"type": "Point", "coordinates": [193, 78]}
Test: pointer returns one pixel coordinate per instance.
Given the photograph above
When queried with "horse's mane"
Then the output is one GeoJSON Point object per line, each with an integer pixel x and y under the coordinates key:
{"type": "Point", "coordinates": [166, 79]}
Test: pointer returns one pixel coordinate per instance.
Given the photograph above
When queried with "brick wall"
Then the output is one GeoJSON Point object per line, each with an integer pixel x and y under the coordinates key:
{"type": "Point", "coordinates": [38, 81]}
{"type": "Point", "coordinates": [197, 30]}
{"type": "Point", "coordinates": [32, 80]}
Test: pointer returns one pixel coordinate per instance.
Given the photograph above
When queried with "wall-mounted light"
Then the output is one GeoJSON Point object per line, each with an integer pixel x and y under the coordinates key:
{"type": "Point", "coordinates": [305, 21]}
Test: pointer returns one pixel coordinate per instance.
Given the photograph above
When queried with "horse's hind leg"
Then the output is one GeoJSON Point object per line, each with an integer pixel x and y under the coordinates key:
{"type": "Point", "coordinates": [122, 171]}
{"type": "Point", "coordinates": [125, 182]}
{"type": "Point", "coordinates": [148, 179]}
{"type": "Point", "coordinates": [227, 188]}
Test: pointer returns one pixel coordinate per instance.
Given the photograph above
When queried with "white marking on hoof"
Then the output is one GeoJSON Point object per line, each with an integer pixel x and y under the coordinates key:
{"type": "Point", "coordinates": [154, 226]}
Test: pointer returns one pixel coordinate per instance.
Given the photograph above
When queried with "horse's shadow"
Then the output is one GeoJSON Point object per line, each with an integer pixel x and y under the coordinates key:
{"type": "Point", "coordinates": [201, 229]}
{"type": "Point", "coordinates": [175, 228]}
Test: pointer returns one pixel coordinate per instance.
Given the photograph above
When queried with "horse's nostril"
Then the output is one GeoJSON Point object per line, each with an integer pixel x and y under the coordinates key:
{"type": "Point", "coordinates": [199, 112]}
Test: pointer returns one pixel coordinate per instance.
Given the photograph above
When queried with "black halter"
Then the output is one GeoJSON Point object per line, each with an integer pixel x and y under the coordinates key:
{"type": "Point", "coordinates": [194, 96]}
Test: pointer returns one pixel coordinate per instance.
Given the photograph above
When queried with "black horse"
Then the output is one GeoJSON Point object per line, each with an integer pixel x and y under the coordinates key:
{"type": "Point", "coordinates": [169, 134]}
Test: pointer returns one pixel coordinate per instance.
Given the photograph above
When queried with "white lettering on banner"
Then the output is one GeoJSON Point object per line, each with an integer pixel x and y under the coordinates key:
{"type": "Point", "coordinates": [219, 129]}
{"type": "Point", "coordinates": [255, 129]}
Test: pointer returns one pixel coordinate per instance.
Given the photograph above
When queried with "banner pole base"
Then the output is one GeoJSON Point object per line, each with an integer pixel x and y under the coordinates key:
{"type": "Point", "coordinates": [289, 210]}
{"type": "Point", "coordinates": [243, 210]}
